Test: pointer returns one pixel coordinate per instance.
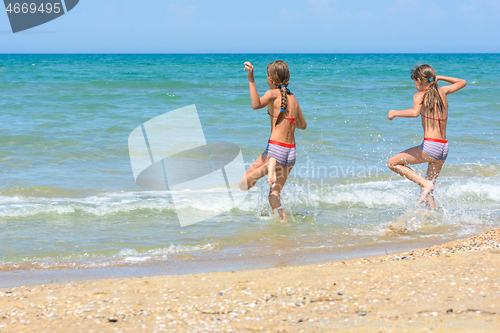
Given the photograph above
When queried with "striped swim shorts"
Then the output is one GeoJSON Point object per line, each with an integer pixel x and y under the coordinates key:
{"type": "Point", "coordinates": [283, 153]}
{"type": "Point", "coordinates": [435, 148]}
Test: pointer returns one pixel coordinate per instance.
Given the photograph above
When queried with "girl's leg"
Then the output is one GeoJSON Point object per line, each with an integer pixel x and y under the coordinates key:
{"type": "Point", "coordinates": [256, 171]}
{"type": "Point", "coordinates": [433, 170]}
{"type": "Point", "coordinates": [275, 191]}
{"type": "Point", "coordinates": [414, 155]}
{"type": "Point", "coordinates": [271, 170]}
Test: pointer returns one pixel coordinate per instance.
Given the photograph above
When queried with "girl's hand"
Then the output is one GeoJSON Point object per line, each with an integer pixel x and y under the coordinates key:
{"type": "Point", "coordinates": [249, 66]}
{"type": "Point", "coordinates": [391, 115]}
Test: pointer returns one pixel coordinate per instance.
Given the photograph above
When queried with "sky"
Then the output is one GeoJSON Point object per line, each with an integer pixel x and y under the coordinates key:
{"type": "Point", "coordinates": [264, 26]}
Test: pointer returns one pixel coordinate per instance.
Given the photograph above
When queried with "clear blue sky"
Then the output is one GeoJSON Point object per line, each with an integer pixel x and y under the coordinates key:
{"type": "Point", "coordinates": [220, 26]}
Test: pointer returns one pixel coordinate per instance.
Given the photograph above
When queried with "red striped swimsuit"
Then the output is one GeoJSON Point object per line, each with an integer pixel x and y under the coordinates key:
{"type": "Point", "coordinates": [435, 148]}
{"type": "Point", "coordinates": [283, 153]}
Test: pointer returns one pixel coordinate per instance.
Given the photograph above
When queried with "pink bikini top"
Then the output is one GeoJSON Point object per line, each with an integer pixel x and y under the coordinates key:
{"type": "Point", "coordinates": [438, 119]}
{"type": "Point", "coordinates": [292, 120]}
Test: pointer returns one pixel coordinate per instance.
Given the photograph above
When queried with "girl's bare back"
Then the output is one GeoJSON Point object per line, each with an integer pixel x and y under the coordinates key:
{"type": "Point", "coordinates": [285, 129]}
{"type": "Point", "coordinates": [434, 124]}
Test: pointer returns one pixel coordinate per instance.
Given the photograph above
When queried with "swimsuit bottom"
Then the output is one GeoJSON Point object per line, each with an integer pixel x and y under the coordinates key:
{"type": "Point", "coordinates": [435, 148]}
{"type": "Point", "coordinates": [283, 153]}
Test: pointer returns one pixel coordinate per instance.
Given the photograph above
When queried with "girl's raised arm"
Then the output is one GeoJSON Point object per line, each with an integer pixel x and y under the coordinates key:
{"type": "Point", "coordinates": [409, 113]}
{"type": "Point", "coordinates": [257, 103]}
{"type": "Point", "coordinates": [456, 84]}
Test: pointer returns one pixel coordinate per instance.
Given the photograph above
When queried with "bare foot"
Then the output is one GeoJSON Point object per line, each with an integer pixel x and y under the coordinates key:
{"type": "Point", "coordinates": [281, 212]}
{"type": "Point", "coordinates": [426, 189]}
{"type": "Point", "coordinates": [272, 172]}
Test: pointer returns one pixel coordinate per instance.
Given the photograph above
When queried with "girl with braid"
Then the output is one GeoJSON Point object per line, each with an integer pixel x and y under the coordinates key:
{"type": "Point", "coordinates": [431, 103]}
{"type": "Point", "coordinates": [285, 115]}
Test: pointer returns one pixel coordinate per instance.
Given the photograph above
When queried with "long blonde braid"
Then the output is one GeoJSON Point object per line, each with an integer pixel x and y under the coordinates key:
{"type": "Point", "coordinates": [280, 75]}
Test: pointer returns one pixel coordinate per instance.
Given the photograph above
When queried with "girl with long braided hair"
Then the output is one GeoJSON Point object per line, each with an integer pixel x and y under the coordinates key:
{"type": "Point", "coordinates": [284, 111]}
{"type": "Point", "coordinates": [431, 103]}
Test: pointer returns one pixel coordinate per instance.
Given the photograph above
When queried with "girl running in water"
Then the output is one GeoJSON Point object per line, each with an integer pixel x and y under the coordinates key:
{"type": "Point", "coordinates": [431, 102]}
{"type": "Point", "coordinates": [284, 112]}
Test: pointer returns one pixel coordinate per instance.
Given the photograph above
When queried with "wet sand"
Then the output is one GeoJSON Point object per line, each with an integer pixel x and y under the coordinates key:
{"type": "Point", "coordinates": [446, 288]}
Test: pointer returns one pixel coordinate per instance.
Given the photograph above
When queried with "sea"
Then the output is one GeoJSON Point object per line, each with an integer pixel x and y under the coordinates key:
{"type": "Point", "coordinates": [70, 207]}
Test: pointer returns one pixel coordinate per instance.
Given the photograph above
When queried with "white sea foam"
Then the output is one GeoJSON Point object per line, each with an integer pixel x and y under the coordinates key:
{"type": "Point", "coordinates": [484, 190]}
{"type": "Point", "coordinates": [300, 199]}
{"type": "Point", "coordinates": [171, 249]}
{"type": "Point", "coordinates": [126, 253]}
{"type": "Point", "coordinates": [138, 259]}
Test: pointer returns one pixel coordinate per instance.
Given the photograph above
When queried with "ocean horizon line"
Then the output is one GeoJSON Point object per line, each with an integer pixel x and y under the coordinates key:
{"type": "Point", "coordinates": [259, 53]}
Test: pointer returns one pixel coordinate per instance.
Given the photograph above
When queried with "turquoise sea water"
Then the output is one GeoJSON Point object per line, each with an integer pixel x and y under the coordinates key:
{"type": "Point", "coordinates": [68, 196]}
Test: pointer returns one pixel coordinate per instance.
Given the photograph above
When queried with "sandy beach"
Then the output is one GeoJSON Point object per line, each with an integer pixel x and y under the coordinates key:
{"type": "Point", "coordinates": [450, 287]}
